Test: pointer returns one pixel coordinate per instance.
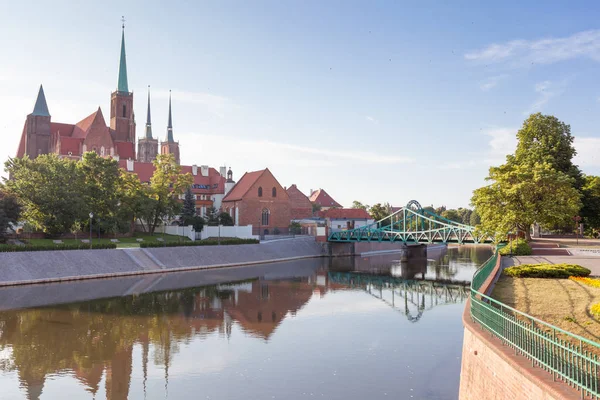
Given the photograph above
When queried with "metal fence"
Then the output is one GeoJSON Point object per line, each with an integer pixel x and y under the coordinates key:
{"type": "Point", "coordinates": [569, 358]}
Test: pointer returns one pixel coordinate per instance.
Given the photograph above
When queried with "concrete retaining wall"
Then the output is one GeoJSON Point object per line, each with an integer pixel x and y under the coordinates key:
{"type": "Point", "coordinates": [55, 266]}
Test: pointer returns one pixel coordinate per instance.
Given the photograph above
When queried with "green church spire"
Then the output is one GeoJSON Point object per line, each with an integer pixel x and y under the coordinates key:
{"type": "Point", "coordinates": [41, 107]}
{"type": "Point", "coordinates": [170, 124]}
{"type": "Point", "coordinates": [148, 119]}
{"type": "Point", "coordinates": [122, 85]}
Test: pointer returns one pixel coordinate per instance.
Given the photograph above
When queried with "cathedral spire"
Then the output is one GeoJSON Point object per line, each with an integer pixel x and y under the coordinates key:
{"type": "Point", "coordinates": [41, 107]}
{"type": "Point", "coordinates": [148, 119]}
{"type": "Point", "coordinates": [122, 84]}
{"type": "Point", "coordinates": [170, 124]}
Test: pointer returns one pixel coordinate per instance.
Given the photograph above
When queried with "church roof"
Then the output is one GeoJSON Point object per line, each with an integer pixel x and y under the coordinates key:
{"type": "Point", "coordinates": [243, 185]}
{"type": "Point", "coordinates": [41, 107]}
{"type": "Point", "coordinates": [122, 85]}
{"type": "Point", "coordinates": [83, 126]}
{"type": "Point", "coordinates": [170, 123]}
{"type": "Point", "coordinates": [125, 150]}
{"type": "Point", "coordinates": [323, 199]}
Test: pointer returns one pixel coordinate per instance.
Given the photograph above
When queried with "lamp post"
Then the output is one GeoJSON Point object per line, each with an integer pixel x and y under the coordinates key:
{"type": "Point", "coordinates": [510, 242]}
{"type": "Point", "coordinates": [577, 218]}
{"type": "Point", "coordinates": [91, 216]}
{"type": "Point", "coordinates": [164, 229]}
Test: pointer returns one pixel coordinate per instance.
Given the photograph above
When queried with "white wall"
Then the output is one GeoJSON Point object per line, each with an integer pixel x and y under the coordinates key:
{"type": "Point", "coordinates": [242, 232]}
{"type": "Point", "coordinates": [187, 231]}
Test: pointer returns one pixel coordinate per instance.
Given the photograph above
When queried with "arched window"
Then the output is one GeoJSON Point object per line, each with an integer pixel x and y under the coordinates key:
{"type": "Point", "coordinates": [274, 192]}
{"type": "Point", "coordinates": [124, 111]}
{"type": "Point", "coordinates": [265, 217]}
{"type": "Point", "coordinates": [260, 191]}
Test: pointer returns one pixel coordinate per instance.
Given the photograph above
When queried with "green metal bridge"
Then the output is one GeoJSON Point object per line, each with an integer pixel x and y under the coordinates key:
{"type": "Point", "coordinates": [412, 224]}
{"type": "Point", "coordinates": [410, 297]}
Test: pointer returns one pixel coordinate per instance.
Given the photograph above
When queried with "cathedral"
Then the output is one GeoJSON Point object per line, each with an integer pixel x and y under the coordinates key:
{"type": "Point", "coordinates": [43, 136]}
{"type": "Point", "coordinates": [118, 140]}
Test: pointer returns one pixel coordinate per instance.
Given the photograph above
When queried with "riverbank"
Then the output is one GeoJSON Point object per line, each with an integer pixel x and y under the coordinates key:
{"type": "Point", "coordinates": [57, 266]}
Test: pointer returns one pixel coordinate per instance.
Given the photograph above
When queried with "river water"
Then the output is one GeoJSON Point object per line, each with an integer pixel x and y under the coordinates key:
{"type": "Point", "coordinates": [347, 328]}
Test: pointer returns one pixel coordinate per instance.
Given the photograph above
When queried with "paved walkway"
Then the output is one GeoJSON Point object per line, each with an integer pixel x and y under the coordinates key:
{"type": "Point", "coordinates": [592, 262]}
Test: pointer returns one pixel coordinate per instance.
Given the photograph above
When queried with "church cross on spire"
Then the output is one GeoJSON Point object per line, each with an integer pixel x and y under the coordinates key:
{"type": "Point", "coordinates": [122, 84]}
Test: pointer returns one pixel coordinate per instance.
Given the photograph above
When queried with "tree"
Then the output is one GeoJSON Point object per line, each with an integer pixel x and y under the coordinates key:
{"type": "Point", "coordinates": [212, 216]}
{"type": "Point", "coordinates": [135, 199]}
{"type": "Point", "coordinates": [590, 211]}
{"type": "Point", "coordinates": [358, 204]}
{"type": "Point", "coordinates": [520, 194]}
{"type": "Point", "coordinates": [452, 215]}
{"type": "Point", "coordinates": [544, 138]}
{"type": "Point", "coordinates": [50, 191]}
{"type": "Point", "coordinates": [378, 212]}
{"type": "Point", "coordinates": [166, 185]}
{"type": "Point", "coordinates": [10, 211]}
{"type": "Point", "coordinates": [316, 208]}
{"type": "Point", "coordinates": [189, 205]}
{"type": "Point", "coordinates": [475, 219]}
{"type": "Point", "coordinates": [225, 219]}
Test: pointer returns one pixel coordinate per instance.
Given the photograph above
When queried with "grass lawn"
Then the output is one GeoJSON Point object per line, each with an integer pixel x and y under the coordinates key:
{"type": "Point", "coordinates": [561, 302]}
{"type": "Point", "coordinates": [123, 242]}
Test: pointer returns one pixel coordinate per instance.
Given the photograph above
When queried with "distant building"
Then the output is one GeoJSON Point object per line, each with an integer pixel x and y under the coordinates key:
{"type": "Point", "coordinates": [346, 218]}
{"type": "Point", "coordinates": [300, 205]}
{"type": "Point", "coordinates": [259, 200]}
{"type": "Point", "coordinates": [323, 199]}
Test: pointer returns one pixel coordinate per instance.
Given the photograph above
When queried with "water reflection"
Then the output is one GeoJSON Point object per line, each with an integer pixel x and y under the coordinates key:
{"type": "Point", "coordinates": [94, 341]}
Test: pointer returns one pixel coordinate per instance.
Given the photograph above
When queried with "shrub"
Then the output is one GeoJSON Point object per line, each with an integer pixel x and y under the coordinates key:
{"type": "Point", "coordinates": [586, 281]}
{"type": "Point", "coordinates": [520, 247]}
{"type": "Point", "coordinates": [558, 271]}
{"type": "Point", "coordinates": [208, 242]}
{"type": "Point", "coordinates": [38, 247]}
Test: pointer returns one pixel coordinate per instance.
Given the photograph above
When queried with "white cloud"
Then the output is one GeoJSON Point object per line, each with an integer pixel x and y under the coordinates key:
{"type": "Point", "coordinates": [545, 90]}
{"type": "Point", "coordinates": [214, 104]}
{"type": "Point", "coordinates": [588, 151]}
{"type": "Point", "coordinates": [491, 82]}
{"type": "Point", "coordinates": [371, 119]}
{"type": "Point", "coordinates": [521, 52]}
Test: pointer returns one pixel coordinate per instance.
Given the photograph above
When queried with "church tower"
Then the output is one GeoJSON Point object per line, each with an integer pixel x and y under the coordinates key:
{"type": "Point", "coordinates": [37, 128]}
{"type": "Point", "coordinates": [121, 103]}
{"type": "Point", "coordinates": [170, 146]}
{"type": "Point", "coordinates": [148, 146]}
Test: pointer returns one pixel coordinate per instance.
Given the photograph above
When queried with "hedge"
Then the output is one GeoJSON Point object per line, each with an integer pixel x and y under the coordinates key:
{"type": "Point", "coordinates": [208, 242]}
{"type": "Point", "coordinates": [520, 247]}
{"type": "Point", "coordinates": [10, 248]}
{"type": "Point", "coordinates": [559, 271]}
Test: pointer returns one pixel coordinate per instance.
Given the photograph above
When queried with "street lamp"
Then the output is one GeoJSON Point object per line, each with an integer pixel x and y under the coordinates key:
{"type": "Point", "coordinates": [91, 216]}
{"type": "Point", "coordinates": [577, 218]}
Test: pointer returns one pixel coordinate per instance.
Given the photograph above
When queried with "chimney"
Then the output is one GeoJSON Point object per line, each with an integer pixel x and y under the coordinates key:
{"type": "Point", "coordinates": [223, 171]}
{"type": "Point", "coordinates": [204, 170]}
{"type": "Point", "coordinates": [194, 170]}
{"type": "Point", "coordinates": [130, 164]}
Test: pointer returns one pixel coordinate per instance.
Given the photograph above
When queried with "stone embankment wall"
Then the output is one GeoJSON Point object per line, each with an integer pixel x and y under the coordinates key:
{"type": "Point", "coordinates": [55, 266]}
{"type": "Point", "coordinates": [492, 371]}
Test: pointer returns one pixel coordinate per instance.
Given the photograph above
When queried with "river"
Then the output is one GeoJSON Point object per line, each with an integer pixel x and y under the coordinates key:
{"type": "Point", "coordinates": [345, 328]}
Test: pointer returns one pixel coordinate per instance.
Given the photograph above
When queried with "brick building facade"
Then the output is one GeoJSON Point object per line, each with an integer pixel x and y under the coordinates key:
{"type": "Point", "coordinates": [259, 200]}
{"type": "Point", "coordinates": [300, 205]}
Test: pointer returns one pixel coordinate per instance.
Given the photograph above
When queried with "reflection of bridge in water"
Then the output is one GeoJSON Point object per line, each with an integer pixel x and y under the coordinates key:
{"type": "Point", "coordinates": [410, 297]}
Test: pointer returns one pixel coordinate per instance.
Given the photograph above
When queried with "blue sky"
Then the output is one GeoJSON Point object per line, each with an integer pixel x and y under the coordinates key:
{"type": "Point", "coordinates": [374, 101]}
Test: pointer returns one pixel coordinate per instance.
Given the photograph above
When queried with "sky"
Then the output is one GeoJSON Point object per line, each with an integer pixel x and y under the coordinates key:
{"type": "Point", "coordinates": [378, 101]}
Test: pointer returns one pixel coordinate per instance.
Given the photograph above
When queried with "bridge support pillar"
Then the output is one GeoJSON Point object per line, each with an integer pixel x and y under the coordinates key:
{"type": "Point", "coordinates": [371, 248]}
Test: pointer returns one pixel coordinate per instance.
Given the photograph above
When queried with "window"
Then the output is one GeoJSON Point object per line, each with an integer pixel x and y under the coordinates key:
{"type": "Point", "coordinates": [265, 217]}
{"type": "Point", "coordinates": [274, 192]}
{"type": "Point", "coordinates": [124, 111]}
{"type": "Point", "coordinates": [259, 191]}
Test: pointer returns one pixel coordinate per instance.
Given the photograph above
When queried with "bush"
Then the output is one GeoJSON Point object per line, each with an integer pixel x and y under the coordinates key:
{"type": "Point", "coordinates": [208, 242]}
{"type": "Point", "coordinates": [558, 271]}
{"type": "Point", "coordinates": [37, 247]}
{"type": "Point", "coordinates": [595, 309]}
{"type": "Point", "coordinates": [520, 247]}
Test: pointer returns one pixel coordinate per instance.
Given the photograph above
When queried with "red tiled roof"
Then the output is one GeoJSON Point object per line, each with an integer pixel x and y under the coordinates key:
{"type": "Point", "coordinates": [243, 185]}
{"type": "Point", "coordinates": [345, 213]}
{"type": "Point", "coordinates": [323, 199]}
{"type": "Point", "coordinates": [125, 150]}
{"type": "Point", "coordinates": [81, 128]}
{"type": "Point", "coordinates": [62, 129]}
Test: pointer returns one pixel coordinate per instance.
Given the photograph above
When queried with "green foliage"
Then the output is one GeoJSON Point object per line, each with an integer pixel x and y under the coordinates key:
{"type": "Point", "coordinates": [452, 215]}
{"type": "Point", "coordinates": [208, 242]}
{"type": "Point", "coordinates": [590, 211]}
{"type": "Point", "coordinates": [519, 247]}
{"type": "Point", "coordinates": [295, 228]}
{"type": "Point", "coordinates": [212, 216]}
{"type": "Point", "coordinates": [521, 194]}
{"type": "Point", "coordinates": [358, 204]}
{"type": "Point", "coordinates": [225, 219]}
{"type": "Point", "coordinates": [79, 246]}
{"type": "Point", "coordinates": [474, 219]}
{"type": "Point", "coordinates": [557, 271]}
{"type": "Point", "coordinates": [10, 211]}
{"type": "Point", "coordinates": [316, 208]}
{"type": "Point", "coordinates": [189, 204]}
{"type": "Point", "coordinates": [196, 221]}
{"type": "Point", "coordinates": [378, 212]}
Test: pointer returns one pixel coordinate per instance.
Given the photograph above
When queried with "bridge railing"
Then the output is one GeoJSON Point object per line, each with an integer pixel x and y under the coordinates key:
{"type": "Point", "coordinates": [568, 357]}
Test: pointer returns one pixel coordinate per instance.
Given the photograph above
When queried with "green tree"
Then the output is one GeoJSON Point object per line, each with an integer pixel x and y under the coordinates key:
{"type": "Point", "coordinates": [212, 216]}
{"type": "Point", "coordinates": [521, 194]}
{"type": "Point", "coordinates": [166, 185]}
{"type": "Point", "coordinates": [452, 215]}
{"type": "Point", "coordinates": [189, 205]}
{"type": "Point", "coordinates": [358, 204]}
{"type": "Point", "coordinates": [225, 219]}
{"type": "Point", "coordinates": [544, 138]}
{"type": "Point", "coordinates": [10, 212]}
{"type": "Point", "coordinates": [50, 191]}
{"type": "Point", "coordinates": [590, 211]}
{"type": "Point", "coordinates": [474, 219]}
{"type": "Point", "coordinates": [136, 202]}
{"type": "Point", "coordinates": [316, 208]}
{"type": "Point", "coordinates": [378, 212]}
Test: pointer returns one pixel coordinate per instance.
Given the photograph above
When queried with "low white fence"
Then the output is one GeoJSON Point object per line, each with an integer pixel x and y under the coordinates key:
{"type": "Point", "coordinates": [242, 232]}
{"type": "Point", "coordinates": [187, 231]}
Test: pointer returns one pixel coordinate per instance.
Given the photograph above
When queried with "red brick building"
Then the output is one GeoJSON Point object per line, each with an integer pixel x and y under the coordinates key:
{"type": "Point", "coordinates": [322, 199]}
{"type": "Point", "coordinates": [259, 200]}
{"type": "Point", "coordinates": [300, 205]}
